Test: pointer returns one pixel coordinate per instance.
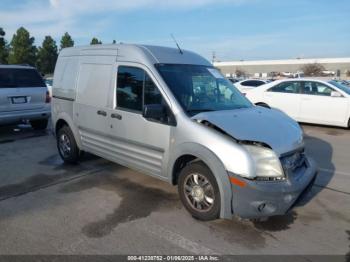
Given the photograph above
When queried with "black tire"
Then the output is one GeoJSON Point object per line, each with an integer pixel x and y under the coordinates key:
{"type": "Point", "coordinates": [67, 146]}
{"type": "Point", "coordinates": [187, 199]}
{"type": "Point", "coordinates": [263, 105]}
{"type": "Point", "coordinates": [39, 124]}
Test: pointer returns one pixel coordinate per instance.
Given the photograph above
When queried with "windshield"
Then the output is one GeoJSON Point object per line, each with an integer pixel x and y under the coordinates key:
{"type": "Point", "coordinates": [201, 88]}
{"type": "Point", "coordinates": [342, 87]}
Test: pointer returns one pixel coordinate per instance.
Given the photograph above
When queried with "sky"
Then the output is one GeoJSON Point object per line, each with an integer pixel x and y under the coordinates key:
{"type": "Point", "coordinates": [233, 29]}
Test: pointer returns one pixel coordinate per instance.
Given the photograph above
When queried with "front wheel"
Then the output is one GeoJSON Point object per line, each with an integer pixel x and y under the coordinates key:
{"type": "Point", "coordinates": [66, 145]}
{"type": "Point", "coordinates": [199, 191]}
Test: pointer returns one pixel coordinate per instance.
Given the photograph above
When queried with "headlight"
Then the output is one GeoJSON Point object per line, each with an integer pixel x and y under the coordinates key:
{"type": "Point", "coordinates": [267, 164]}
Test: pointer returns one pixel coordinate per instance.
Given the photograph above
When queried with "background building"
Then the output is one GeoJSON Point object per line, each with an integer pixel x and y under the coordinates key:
{"type": "Point", "coordinates": [336, 67]}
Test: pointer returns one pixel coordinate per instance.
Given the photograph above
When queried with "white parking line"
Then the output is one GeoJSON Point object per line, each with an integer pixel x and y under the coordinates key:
{"type": "Point", "coordinates": [178, 240]}
{"type": "Point", "coordinates": [333, 171]}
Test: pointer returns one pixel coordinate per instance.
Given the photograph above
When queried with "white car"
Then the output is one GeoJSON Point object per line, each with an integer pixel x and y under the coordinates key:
{"type": "Point", "coordinates": [306, 100]}
{"type": "Point", "coordinates": [248, 84]}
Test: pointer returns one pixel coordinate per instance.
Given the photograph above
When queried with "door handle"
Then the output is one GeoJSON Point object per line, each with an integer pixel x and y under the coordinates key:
{"type": "Point", "coordinates": [102, 113]}
{"type": "Point", "coordinates": [117, 116]}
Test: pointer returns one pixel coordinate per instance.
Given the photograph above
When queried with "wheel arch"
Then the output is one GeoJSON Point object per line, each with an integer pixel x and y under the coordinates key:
{"type": "Point", "coordinates": [189, 152]}
{"type": "Point", "coordinates": [65, 119]}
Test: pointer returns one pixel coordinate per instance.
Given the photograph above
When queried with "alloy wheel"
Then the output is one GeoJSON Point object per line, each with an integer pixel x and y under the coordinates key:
{"type": "Point", "coordinates": [199, 192]}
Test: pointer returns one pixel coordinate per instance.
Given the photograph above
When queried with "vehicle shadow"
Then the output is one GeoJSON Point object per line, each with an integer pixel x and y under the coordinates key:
{"type": "Point", "coordinates": [321, 152]}
{"type": "Point", "coordinates": [36, 151]}
{"type": "Point", "coordinates": [13, 133]}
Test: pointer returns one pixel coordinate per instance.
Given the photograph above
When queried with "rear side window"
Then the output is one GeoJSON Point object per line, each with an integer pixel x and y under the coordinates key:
{"type": "Point", "coordinates": [316, 88]}
{"type": "Point", "coordinates": [13, 77]}
{"type": "Point", "coordinates": [286, 87]}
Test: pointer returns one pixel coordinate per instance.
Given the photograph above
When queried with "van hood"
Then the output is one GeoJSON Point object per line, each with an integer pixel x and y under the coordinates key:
{"type": "Point", "coordinates": [257, 124]}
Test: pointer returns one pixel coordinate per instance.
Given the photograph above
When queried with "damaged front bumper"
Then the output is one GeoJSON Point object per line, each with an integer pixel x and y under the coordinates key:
{"type": "Point", "coordinates": [257, 199]}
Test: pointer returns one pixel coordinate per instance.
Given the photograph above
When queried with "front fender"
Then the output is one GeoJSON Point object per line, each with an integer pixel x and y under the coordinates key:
{"type": "Point", "coordinates": [216, 167]}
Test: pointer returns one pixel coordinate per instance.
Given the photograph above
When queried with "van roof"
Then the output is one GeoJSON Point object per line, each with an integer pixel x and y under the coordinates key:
{"type": "Point", "coordinates": [138, 53]}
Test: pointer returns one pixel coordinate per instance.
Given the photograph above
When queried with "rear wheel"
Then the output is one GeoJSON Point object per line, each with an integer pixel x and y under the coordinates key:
{"type": "Point", "coordinates": [199, 191]}
{"type": "Point", "coordinates": [263, 105]}
{"type": "Point", "coordinates": [67, 146]}
{"type": "Point", "coordinates": [39, 124]}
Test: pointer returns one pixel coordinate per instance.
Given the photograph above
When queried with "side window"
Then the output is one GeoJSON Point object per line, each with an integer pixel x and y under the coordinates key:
{"type": "Point", "coordinates": [316, 88]}
{"type": "Point", "coordinates": [135, 89]}
{"type": "Point", "coordinates": [286, 87]}
{"type": "Point", "coordinates": [129, 88]}
{"type": "Point", "coordinates": [152, 94]}
{"type": "Point", "coordinates": [259, 83]}
{"type": "Point", "coordinates": [254, 83]}
{"type": "Point", "coordinates": [248, 83]}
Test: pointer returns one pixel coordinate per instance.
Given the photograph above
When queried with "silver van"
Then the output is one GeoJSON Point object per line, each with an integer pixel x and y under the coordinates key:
{"type": "Point", "coordinates": [170, 114]}
{"type": "Point", "coordinates": [23, 96]}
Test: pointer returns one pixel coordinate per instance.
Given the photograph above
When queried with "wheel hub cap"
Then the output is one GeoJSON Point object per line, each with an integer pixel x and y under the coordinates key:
{"type": "Point", "coordinates": [197, 193]}
{"type": "Point", "coordinates": [64, 145]}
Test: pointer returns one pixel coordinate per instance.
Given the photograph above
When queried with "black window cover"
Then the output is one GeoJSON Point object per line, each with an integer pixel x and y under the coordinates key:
{"type": "Point", "coordinates": [18, 77]}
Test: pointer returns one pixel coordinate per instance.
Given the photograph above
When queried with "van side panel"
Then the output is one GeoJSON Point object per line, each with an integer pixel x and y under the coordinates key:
{"type": "Point", "coordinates": [65, 78]}
{"type": "Point", "coordinates": [90, 107]}
{"type": "Point", "coordinates": [64, 92]}
{"type": "Point", "coordinates": [94, 82]}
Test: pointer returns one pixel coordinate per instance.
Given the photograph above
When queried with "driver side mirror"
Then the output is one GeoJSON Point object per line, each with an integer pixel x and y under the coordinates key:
{"type": "Point", "coordinates": [336, 94]}
{"type": "Point", "coordinates": [154, 111]}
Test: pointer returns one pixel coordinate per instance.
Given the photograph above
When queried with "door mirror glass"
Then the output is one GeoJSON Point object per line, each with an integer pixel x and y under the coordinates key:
{"type": "Point", "coordinates": [335, 94]}
{"type": "Point", "coordinates": [154, 111]}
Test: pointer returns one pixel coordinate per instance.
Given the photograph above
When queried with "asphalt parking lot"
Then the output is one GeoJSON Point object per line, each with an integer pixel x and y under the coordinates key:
{"type": "Point", "coordinates": [98, 207]}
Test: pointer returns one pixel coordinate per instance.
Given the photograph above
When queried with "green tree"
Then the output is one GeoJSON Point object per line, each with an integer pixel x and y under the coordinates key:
{"type": "Point", "coordinates": [47, 56]}
{"type": "Point", "coordinates": [66, 41]}
{"type": "Point", "coordinates": [22, 49]}
{"type": "Point", "coordinates": [3, 47]}
{"type": "Point", "coordinates": [95, 41]}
